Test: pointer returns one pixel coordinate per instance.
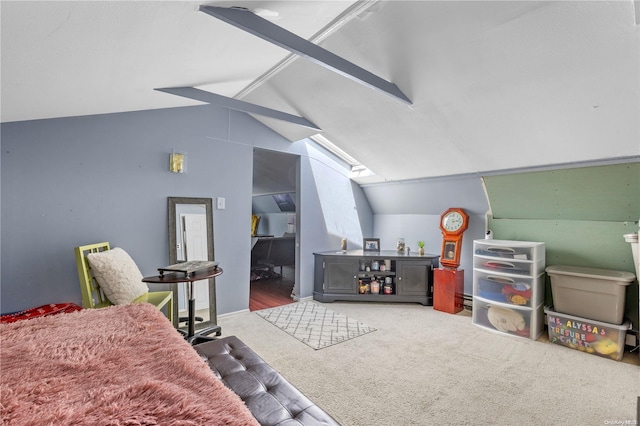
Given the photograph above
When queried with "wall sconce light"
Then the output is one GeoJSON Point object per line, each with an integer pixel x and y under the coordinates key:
{"type": "Point", "coordinates": [178, 162]}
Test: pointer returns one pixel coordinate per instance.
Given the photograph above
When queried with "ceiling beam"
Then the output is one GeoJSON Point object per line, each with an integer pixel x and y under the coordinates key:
{"type": "Point", "coordinates": [238, 105]}
{"type": "Point", "coordinates": [258, 26]}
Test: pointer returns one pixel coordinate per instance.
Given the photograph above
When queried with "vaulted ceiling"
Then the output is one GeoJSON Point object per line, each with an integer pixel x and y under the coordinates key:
{"type": "Point", "coordinates": [493, 85]}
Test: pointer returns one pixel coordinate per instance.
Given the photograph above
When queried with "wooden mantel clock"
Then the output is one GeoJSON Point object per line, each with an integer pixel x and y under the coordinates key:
{"type": "Point", "coordinates": [453, 223]}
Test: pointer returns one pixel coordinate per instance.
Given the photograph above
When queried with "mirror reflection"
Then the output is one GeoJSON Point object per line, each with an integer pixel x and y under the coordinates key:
{"type": "Point", "coordinates": [191, 238]}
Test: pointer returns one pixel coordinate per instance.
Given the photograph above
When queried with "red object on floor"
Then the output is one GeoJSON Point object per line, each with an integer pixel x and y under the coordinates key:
{"type": "Point", "coordinates": [40, 311]}
{"type": "Point", "coordinates": [448, 287]}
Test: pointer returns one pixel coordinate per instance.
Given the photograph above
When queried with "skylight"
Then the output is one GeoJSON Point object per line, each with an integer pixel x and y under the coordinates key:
{"type": "Point", "coordinates": [357, 169]}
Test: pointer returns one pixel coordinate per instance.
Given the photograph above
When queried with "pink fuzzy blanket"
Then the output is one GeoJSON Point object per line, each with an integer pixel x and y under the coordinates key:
{"type": "Point", "coordinates": [122, 365]}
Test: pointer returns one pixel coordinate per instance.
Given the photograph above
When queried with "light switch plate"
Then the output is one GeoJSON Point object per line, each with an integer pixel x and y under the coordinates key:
{"type": "Point", "coordinates": [220, 203]}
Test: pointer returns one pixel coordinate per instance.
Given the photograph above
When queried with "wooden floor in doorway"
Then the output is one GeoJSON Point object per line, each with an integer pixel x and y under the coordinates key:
{"type": "Point", "coordinates": [266, 294]}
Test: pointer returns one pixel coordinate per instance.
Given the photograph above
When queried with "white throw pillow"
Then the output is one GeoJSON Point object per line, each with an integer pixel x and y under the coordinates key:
{"type": "Point", "coordinates": [117, 275]}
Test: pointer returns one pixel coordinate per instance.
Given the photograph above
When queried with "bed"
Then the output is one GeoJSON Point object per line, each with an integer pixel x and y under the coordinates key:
{"type": "Point", "coordinates": [121, 365]}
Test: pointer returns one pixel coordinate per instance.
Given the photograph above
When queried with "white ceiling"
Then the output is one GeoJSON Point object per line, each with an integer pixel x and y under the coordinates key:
{"type": "Point", "coordinates": [494, 85]}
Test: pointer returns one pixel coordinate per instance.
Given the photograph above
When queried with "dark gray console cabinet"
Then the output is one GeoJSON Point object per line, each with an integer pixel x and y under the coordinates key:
{"type": "Point", "coordinates": [341, 275]}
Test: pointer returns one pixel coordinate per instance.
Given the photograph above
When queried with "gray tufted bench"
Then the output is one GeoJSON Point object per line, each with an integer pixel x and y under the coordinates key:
{"type": "Point", "coordinates": [271, 399]}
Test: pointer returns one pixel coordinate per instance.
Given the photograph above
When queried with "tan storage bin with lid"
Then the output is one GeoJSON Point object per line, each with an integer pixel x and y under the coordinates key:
{"type": "Point", "coordinates": [597, 294]}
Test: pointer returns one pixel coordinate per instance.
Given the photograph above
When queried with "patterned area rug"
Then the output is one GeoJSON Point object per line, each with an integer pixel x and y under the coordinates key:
{"type": "Point", "coordinates": [314, 325]}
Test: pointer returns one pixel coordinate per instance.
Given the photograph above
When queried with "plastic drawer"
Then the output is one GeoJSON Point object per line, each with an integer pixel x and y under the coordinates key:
{"type": "Point", "coordinates": [508, 319]}
{"type": "Point", "coordinates": [513, 290]}
{"type": "Point", "coordinates": [509, 266]}
{"type": "Point", "coordinates": [506, 249]}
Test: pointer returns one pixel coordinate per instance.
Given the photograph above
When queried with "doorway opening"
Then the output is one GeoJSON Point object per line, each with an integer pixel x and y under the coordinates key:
{"type": "Point", "coordinates": [273, 292]}
{"type": "Point", "coordinates": [274, 230]}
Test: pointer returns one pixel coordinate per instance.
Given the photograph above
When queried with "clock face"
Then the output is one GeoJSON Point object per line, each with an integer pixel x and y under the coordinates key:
{"type": "Point", "coordinates": [452, 221]}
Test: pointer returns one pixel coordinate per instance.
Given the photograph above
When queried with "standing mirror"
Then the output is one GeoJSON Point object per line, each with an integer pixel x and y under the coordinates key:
{"type": "Point", "coordinates": [191, 238]}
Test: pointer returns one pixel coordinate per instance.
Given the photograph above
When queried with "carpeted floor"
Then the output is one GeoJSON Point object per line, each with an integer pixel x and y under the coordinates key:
{"type": "Point", "coordinates": [315, 325]}
{"type": "Point", "coordinates": [425, 367]}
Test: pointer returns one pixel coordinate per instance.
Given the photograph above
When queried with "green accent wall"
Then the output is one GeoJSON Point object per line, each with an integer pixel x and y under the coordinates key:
{"type": "Point", "coordinates": [580, 214]}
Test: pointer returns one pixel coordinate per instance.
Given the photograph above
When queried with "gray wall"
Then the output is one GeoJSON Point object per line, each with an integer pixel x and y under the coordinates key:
{"type": "Point", "coordinates": [581, 211]}
{"type": "Point", "coordinates": [272, 220]}
{"type": "Point", "coordinates": [331, 207]}
{"type": "Point", "coordinates": [412, 210]}
{"type": "Point", "coordinates": [275, 224]}
{"type": "Point", "coordinates": [74, 181]}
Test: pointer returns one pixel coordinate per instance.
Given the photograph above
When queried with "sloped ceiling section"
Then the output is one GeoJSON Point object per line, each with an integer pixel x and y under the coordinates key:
{"type": "Point", "coordinates": [73, 58]}
{"type": "Point", "coordinates": [436, 196]}
{"type": "Point", "coordinates": [495, 85]}
{"type": "Point", "coordinates": [273, 172]}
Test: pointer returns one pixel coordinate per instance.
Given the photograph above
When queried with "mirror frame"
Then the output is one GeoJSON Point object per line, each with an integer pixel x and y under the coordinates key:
{"type": "Point", "coordinates": [172, 203]}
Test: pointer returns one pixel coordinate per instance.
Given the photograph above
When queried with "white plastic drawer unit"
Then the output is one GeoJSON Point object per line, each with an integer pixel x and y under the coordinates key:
{"type": "Point", "coordinates": [511, 290]}
{"type": "Point", "coordinates": [508, 286]}
{"type": "Point", "coordinates": [512, 320]}
{"type": "Point", "coordinates": [509, 257]}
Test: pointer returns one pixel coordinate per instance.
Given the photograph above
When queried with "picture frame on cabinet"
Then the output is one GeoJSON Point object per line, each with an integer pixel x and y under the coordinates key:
{"type": "Point", "coordinates": [371, 244]}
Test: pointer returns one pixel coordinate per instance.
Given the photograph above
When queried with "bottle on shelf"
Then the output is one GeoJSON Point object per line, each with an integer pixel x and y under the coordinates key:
{"type": "Point", "coordinates": [388, 286]}
{"type": "Point", "coordinates": [375, 286]}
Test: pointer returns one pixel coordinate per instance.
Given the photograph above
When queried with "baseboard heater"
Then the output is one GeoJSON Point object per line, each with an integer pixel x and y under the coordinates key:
{"type": "Point", "coordinates": [467, 301]}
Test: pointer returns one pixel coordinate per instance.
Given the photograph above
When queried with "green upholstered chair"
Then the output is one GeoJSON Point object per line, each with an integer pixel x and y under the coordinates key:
{"type": "Point", "coordinates": [94, 297]}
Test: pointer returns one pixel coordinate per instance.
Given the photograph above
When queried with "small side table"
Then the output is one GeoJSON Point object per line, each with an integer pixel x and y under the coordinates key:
{"type": "Point", "coordinates": [448, 287]}
{"type": "Point", "coordinates": [189, 279]}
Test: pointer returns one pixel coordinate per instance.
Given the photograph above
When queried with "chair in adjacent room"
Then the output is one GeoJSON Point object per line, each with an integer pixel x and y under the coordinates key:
{"type": "Point", "coordinates": [261, 256]}
{"type": "Point", "coordinates": [283, 252]}
{"type": "Point", "coordinates": [108, 277]}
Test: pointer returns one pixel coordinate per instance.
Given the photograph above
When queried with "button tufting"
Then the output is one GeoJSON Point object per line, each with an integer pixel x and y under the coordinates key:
{"type": "Point", "coordinates": [274, 404]}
